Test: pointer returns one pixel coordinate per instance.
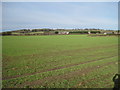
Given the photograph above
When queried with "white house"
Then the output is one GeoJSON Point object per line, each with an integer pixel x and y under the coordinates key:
{"type": "Point", "coordinates": [64, 32]}
{"type": "Point", "coordinates": [108, 33]}
{"type": "Point", "coordinates": [89, 32]}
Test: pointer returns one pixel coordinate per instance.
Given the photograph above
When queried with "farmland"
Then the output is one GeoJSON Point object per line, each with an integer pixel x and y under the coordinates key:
{"type": "Point", "coordinates": [59, 61]}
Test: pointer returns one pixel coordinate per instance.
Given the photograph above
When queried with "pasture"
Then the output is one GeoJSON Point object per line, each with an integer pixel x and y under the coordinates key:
{"type": "Point", "coordinates": [59, 61]}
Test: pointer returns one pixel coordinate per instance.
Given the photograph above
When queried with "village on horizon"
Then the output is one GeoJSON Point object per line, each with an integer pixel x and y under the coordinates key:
{"type": "Point", "coordinates": [47, 31]}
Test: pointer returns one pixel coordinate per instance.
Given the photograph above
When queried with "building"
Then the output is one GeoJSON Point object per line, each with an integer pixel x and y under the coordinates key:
{"type": "Point", "coordinates": [108, 33]}
{"type": "Point", "coordinates": [63, 32]}
{"type": "Point", "coordinates": [89, 32]}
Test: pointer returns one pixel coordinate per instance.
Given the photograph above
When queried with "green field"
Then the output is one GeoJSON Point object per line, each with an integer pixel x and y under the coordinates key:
{"type": "Point", "coordinates": [59, 61]}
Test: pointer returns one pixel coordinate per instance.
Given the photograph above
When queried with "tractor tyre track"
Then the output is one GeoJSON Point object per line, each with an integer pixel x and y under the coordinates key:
{"type": "Point", "coordinates": [67, 76]}
{"type": "Point", "coordinates": [70, 65]}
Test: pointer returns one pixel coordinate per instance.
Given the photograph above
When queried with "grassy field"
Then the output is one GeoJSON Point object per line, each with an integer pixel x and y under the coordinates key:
{"type": "Point", "coordinates": [59, 61]}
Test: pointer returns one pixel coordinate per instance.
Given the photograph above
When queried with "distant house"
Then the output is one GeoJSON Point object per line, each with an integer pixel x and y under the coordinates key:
{"type": "Point", "coordinates": [64, 32]}
{"type": "Point", "coordinates": [108, 33]}
{"type": "Point", "coordinates": [105, 33]}
{"type": "Point", "coordinates": [116, 32]}
{"type": "Point", "coordinates": [89, 32]}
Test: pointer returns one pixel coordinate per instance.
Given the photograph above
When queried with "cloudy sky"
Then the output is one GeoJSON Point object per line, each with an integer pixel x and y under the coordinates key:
{"type": "Point", "coordinates": [19, 15]}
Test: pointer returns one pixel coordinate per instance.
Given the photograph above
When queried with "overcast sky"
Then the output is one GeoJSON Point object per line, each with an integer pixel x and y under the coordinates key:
{"type": "Point", "coordinates": [19, 15]}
